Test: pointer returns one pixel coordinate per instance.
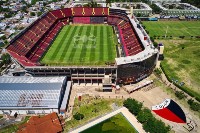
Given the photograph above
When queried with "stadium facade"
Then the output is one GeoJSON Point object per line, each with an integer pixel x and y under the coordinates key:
{"type": "Point", "coordinates": [136, 52]}
{"type": "Point", "coordinates": [33, 95]}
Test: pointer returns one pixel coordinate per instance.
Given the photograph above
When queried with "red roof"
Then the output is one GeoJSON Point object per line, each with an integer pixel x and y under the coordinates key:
{"type": "Point", "coordinates": [46, 124]}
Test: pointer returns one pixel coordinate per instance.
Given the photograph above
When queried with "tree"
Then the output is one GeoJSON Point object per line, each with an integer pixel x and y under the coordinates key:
{"type": "Point", "coordinates": [62, 6]}
{"type": "Point", "coordinates": [180, 94]}
{"type": "Point", "coordinates": [8, 15]}
{"type": "Point", "coordinates": [78, 116]}
{"type": "Point", "coordinates": [155, 126]}
{"type": "Point", "coordinates": [6, 59]}
{"type": "Point", "coordinates": [133, 106]}
{"type": "Point", "coordinates": [192, 2]}
{"type": "Point", "coordinates": [3, 37]}
{"type": "Point", "coordinates": [138, 15]}
{"type": "Point", "coordinates": [155, 8]}
{"type": "Point", "coordinates": [108, 2]}
{"type": "Point", "coordinates": [138, 6]}
{"type": "Point", "coordinates": [33, 2]}
{"type": "Point", "coordinates": [155, 44]}
{"type": "Point", "coordinates": [144, 115]}
{"type": "Point", "coordinates": [190, 101]}
{"type": "Point", "coordinates": [32, 13]}
{"type": "Point", "coordinates": [24, 9]}
{"type": "Point", "coordinates": [193, 105]}
{"type": "Point", "coordinates": [39, 13]}
{"type": "Point", "coordinates": [152, 38]}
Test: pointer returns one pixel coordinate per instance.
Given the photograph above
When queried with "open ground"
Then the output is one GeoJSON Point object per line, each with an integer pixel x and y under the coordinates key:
{"type": "Point", "coordinates": [148, 96]}
{"type": "Point", "coordinates": [181, 61]}
{"type": "Point", "coordinates": [82, 45]}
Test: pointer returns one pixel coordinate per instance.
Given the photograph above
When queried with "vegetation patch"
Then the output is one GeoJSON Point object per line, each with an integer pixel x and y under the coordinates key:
{"type": "Point", "coordinates": [91, 108]}
{"type": "Point", "coordinates": [144, 116]}
{"type": "Point", "coordinates": [115, 124]}
{"type": "Point", "coordinates": [177, 29]}
{"type": "Point", "coordinates": [13, 127]}
{"type": "Point", "coordinates": [186, 61]}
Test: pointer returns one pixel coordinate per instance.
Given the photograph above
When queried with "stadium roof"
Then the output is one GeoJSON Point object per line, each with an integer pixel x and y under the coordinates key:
{"type": "Point", "coordinates": [30, 92]}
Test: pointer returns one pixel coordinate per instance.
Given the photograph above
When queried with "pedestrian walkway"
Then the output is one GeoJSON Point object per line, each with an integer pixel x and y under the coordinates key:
{"type": "Point", "coordinates": [131, 118]}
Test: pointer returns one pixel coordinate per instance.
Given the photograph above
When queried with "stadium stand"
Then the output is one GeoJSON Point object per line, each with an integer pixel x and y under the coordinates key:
{"type": "Point", "coordinates": [30, 45]}
{"type": "Point", "coordinates": [81, 20]}
{"type": "Point", "coordinates": [131, 45]}
{"type": "Point", "coordinates": [96, 20]}
{"type": "Point", "coordinates": [80, 11]}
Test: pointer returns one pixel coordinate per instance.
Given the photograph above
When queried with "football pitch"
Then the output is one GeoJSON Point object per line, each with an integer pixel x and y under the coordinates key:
{"type": "Point", "coordinates": [82, 45]}
{"type": "Point", "coordinates": [173, 28]}
{"type": "Point", "coordinates": [181, 61]}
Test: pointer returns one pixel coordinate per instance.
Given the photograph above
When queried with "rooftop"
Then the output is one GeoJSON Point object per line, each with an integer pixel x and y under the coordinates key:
{"type": "Point", "coordinates": [46, 124]}
{"type": "Point", "coordinates": [30, 92]}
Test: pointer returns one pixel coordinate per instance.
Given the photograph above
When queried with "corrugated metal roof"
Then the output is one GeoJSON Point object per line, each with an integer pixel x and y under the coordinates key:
{"type": "Point", "coordinates": [31, 79]}
{"type": "Point", "coordinates": [66, 96]}
{"type": "Point", "coordinates": [34, 92]}
{"type": "Point", "coordinates": [30, 86]}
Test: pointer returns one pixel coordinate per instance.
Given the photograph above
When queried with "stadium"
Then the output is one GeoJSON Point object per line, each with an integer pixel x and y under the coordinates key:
{"type": "Point", "coordinates": [88, 45]}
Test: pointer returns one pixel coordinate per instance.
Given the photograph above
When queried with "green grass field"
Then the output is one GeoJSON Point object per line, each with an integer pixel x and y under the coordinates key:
{"type": "Point", "coordinates": [91, 108]}
{"type": "Point", "coordinates": [182, 62]}
{"type": "Point", "coordinates": [82, 45]}
{"type": "Point", "coordinates": [175, 28]}
{"type": "Point", "coordinates": [181, 55]}
{"type": "Point", "coordinates": [115, 124]}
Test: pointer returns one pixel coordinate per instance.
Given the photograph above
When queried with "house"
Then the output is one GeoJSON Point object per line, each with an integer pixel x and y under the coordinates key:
{"type": "Point", "coordinates": [46, 124]}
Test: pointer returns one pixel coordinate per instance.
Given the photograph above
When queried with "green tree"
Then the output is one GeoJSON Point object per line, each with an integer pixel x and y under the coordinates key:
{"type": "Point", "coordinates": [133, 106]}
{"type": "Point", "coordinates": [33, 2]}
{"type": "Point", "coordinates": [144, 115]}
{"type": "Point", "coordinates": [190, 101]}
{"type": "Point", "coordinates": [155, 126]}
{"type": "Point", "coordinates": [180, 94]}
{"type": "Point", "coordinates": [78, 116]}
{"type": "Point", "coordinates": [138, 15]}
{"type": "Point", "coordinates": [6, 59]}
{"type": "Point", "coordinates": [32, 13]}
{"type": "Point", "coordinates": [192, 2]}
{"type": "Point", "coordinates": [8, 15]}
{"type": "Point", "coordinates": [24, 9]}
{"type": "Point", "coordinates": [39, 13]}
{"type": "Point", "coordinates": [3, 37]}
{"type": "Point", "coordinates": [108, 2]}
{"type": "Point", "coordinates": [155, 8]}
{"type": "Point", "coordinates": [194, 105]}
{"type": "Point", "coordinates": [138, 6]}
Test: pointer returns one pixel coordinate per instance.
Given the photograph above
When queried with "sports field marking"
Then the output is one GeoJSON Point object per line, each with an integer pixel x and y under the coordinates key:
{"type": "Point", "coordinates": [175, 28]}
{"type": "Point", "coordinates": [82, 45]}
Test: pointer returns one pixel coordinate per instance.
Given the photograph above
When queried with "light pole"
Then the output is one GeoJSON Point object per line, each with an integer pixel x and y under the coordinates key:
{"type": "Point", "coordinates": [166, 31]}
